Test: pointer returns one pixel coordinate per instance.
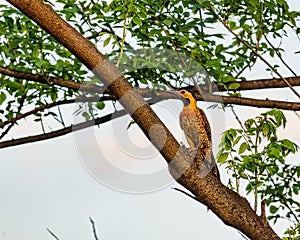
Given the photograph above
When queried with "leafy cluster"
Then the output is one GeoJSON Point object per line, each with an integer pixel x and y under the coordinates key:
{"type": "Point", "coordinates": [293, 233]}
{"type": "Point", "coordinates": [256, 155]}
{"type": "Point", "coordinates": [182, 36]}
{"type": "Point", "coordinates": [192, 29]}
{"type": "Point", "coordinates": [26, 47]}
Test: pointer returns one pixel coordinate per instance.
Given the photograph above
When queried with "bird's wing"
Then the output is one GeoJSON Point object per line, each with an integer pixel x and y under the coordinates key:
{"type": "Point", "coordinates": [190, 126]}
{"type": "Point", "coordinates": [205, 123]}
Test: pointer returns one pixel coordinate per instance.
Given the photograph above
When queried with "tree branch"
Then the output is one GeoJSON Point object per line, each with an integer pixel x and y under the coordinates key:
{"type": "Point", "coordinates": [50, 80]}
{"type": "Point", "coordinates": [260, 84]}
{"type": "Point", "coordinates": [295, 106]}
{"type": "Point", "coordinates": [244, 85]}
{"type": "Point", "coordinates": [34, 111]}
{"type": "Point", "coordinates": [260, 103]}
{"type": "Point", "coordinates": [63, 131]}
{"type": "Point", "coordinates": [109, 117]}
{"type": "Point", "coordinates": [70, 129]}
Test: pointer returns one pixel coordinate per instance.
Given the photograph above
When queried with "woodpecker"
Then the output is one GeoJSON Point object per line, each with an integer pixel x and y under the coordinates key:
{"type": "Point", "coordinates": [196, 128]}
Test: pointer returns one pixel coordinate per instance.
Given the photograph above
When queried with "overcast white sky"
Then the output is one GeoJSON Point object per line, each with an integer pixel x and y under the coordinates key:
{"type": "Point", "coordinates": [47, 185]}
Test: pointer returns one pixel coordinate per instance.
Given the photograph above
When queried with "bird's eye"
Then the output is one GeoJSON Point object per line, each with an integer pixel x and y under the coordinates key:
{"type": "Point", "coordinates": [182, 92]}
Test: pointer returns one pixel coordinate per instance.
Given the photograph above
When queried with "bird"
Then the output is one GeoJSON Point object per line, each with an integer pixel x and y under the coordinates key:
{"type": "Point", "coordinates": [196, 128]}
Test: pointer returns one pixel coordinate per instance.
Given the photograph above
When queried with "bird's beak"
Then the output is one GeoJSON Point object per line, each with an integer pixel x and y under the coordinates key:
{"type": "Point", "coordinates": [175, 93]}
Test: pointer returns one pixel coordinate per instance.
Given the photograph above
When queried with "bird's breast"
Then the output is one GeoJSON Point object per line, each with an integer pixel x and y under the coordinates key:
{"type": "Point", "coordinates": [188, 119]}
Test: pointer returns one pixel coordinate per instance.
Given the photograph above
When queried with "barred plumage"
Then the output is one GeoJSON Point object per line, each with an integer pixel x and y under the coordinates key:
{"type": "Point", "coordinates": [196, 128]}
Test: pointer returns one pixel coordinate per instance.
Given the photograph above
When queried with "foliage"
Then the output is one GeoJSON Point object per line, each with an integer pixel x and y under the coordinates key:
{"type": "Point", "coordinates": [26, 47]}
{"type": "Point", "coordinates": [189, 28]}
{"type": "Point", "coordinates": [160, 44]}
{"type": "Point", "coordinates": [293, 233]}
{"type": "Point", "coordinates": [256, 155]}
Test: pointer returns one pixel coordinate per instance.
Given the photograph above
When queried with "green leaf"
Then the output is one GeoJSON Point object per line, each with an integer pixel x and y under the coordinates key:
{"type": "Point", "coordinates": [167, 22]}
{"type": "Point", "coordinates": [288, 144]}
{"type": "Point", "coordinates": [234, 86]}
{"type": "Point", "coordinates": [142, 14]}
{"type": "Point", "coordinates": [223, 157]}
{"type": "Point", "coordinates": [242, 148]}
{"type": "Point", "coordinates": [219, 49]}
{"type": "Point", "coordinates": [273, 209]}
{"type": "Point", "coordinates": [274, 152]}
{"type": "Point", "coordinates": [106, 41]}
{"type": "Point", "coordinates": [266, 129]}
{"type": "Point", "coordinates": [237, 140]}
{"type": "Point", "coordinates": [137, 21]}
{"type": "Point", "coordinates": [100, 105]}
{"type": "Point", "coordinates": [296, 189]}
{"type": "Point", "coordinates": [228, 79]}
{"type": "Point", "coordinates": [232, 25]}
{"type": "Point", "coordinates": [2, 97]}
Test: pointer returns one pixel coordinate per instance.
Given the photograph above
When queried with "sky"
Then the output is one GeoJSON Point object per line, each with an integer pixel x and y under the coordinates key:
{"type": "Point", "coordinates": [116, 177]}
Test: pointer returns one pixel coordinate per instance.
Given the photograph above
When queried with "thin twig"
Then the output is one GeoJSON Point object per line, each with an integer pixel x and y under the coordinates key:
{"type": "Point", "coordinates": [197, 87]}
{"type": "Point", "coordinates": [284, 202]}
{"type": "Point", "coordinates": [94, 229]}
{"type": "Point", "coordinates": [297, 114]}
{"type": "Point", "coordinates": [280, 57]}
{"type": "Point", "coordinates": [254, 51]}
{"type": "Point", "coordinates": [124, 34]}
{"type": "Point", "coordinates": [237, 118]}
{"type": "Point", "coordinates": [52, 234]}
{"type": "Point", "coordinates": [61, 117]}
{"type": "Point", "coordinates": [186, 193]}
{"type": "Point", "coordinates": [51, 105]}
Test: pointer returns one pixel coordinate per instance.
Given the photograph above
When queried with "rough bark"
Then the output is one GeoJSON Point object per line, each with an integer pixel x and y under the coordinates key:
{"type": "Point", "coordinates": [228, 205]}
{"type": "Point", "coordinates": [231, 208]}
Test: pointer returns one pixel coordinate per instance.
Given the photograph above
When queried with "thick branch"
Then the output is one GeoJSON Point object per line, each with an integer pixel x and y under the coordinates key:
{"type": "Point", "coordinates": [216, 196]}
{"type": "Point", "coordinates": [262, 84]}
{"type": "Point", "coordinates": [49, 80]}
{"type": "Point", "coordinates": [244, 85]}
{"type": "Point", "coordinates": [70, 129]}
{"type": "Point", "coordinates": [295, 106]}
{"type": "Point", "coordinates": [98, 121]}
{"type": "Point", "coordinates": [260, 103]}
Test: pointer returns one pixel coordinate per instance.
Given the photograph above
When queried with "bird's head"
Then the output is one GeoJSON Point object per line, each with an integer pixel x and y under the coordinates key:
{"type": "Point", "coordinates": [187, 97]}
